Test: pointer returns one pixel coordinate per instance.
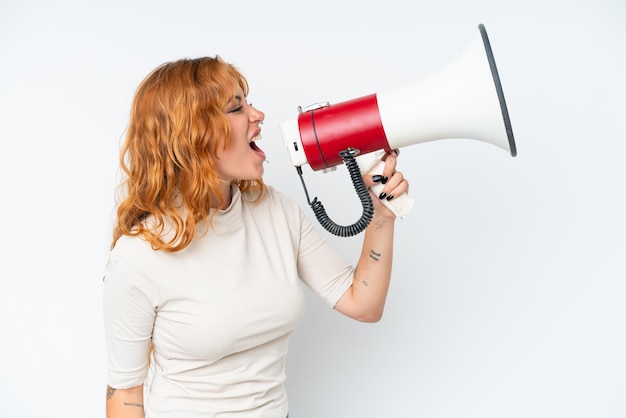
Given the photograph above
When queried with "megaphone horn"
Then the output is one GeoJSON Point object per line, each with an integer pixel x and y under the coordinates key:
{"type": "Point", "coordinates": [462, 100]}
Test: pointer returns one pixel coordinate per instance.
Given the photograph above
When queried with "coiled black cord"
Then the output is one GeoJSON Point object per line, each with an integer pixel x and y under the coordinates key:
{"type": "Point", "coordinates": [359, 226]}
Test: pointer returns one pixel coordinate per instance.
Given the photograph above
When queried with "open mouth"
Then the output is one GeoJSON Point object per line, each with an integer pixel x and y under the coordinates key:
{"type": "Point", "coordinates": [256, 149]}
{"type": "Point", "coordinates": [252, 143]}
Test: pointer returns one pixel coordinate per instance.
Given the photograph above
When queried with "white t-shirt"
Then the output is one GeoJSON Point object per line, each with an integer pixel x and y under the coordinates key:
{"type": "Point", "coordinates": [219, 312]}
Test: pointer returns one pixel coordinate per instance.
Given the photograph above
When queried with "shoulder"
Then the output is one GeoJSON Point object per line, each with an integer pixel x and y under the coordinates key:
{"type": "Point", "coordinates": [275, 210]}
{"type": "Point", "coordinates": [133, 259]}
{"type": "Point", "coordinates": [132, 248]}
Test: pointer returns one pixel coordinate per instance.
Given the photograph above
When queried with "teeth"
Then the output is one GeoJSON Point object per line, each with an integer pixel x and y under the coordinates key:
{"type": "Point", "coordinates": [256, 138]}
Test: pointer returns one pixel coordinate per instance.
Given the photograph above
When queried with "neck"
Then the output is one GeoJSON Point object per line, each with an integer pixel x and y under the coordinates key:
{"type": "Point", "coordinates": [226, 194]}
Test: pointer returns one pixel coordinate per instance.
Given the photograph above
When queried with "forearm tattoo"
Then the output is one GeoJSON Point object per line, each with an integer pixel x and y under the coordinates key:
{"type": "Point", "coordinates": [110, 392]}
{"type": "Point", "coordinates": [374, 255]}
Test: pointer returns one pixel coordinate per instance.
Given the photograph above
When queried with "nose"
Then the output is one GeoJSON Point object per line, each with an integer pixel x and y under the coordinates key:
{"type": "Point", "coordinates": [256, 116]}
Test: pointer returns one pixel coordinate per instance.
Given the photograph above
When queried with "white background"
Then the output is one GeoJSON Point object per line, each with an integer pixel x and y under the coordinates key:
{"type": "Point", "coordinates": [509, 290]}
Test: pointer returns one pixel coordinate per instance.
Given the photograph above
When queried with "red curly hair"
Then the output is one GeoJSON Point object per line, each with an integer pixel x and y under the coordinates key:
{"type": "Point", "coordinates": [177, 126]}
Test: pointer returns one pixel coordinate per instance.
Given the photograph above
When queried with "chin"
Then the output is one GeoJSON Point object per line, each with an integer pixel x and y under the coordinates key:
{"type": "Point", "coordinates": [256, 176]}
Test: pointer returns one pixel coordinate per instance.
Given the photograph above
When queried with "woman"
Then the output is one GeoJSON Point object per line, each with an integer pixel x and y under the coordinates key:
{"type": "Point", "coordinates": [203, 285]}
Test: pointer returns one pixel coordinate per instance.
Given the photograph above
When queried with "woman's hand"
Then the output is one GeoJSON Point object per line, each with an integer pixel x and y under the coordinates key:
{"type": "Point", "coordinates": [394, 184]}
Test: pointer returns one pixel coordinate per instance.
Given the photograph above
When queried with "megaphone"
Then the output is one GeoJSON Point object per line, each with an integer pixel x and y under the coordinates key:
{"type": "Point", "coordinates": [462, 100]}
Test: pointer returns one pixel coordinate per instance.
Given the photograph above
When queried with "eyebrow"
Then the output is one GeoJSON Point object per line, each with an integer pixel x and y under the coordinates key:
{"type": "Point", "coordinates": [235, 98]}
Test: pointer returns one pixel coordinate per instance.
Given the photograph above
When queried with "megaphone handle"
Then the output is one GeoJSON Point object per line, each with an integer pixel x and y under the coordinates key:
{"type": "Point", "coordinates": [372, 164]}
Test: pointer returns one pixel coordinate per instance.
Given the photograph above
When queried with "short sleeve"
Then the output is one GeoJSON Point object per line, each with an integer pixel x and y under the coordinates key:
{"type": "Point", "coordinates": [320, 266]}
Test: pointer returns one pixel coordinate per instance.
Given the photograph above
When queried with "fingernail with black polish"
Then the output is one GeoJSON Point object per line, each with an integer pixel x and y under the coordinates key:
{"type": "Point", "coordinates": [382, 195]}
{"type": "Point", "coordinates": [384, 179]}
{"type": "Point", "coordinates": [377, 178]}
{"type": "Point", "coordinates": [389, 197]}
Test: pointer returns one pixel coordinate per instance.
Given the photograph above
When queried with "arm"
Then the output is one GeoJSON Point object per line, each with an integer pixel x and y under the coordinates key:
{"type": "Point", "coordinates": [125, 403]}
{"type": "Point", "coordinates": [129, 300]}
{"type": "Point", "coordinates": [365, 299]}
